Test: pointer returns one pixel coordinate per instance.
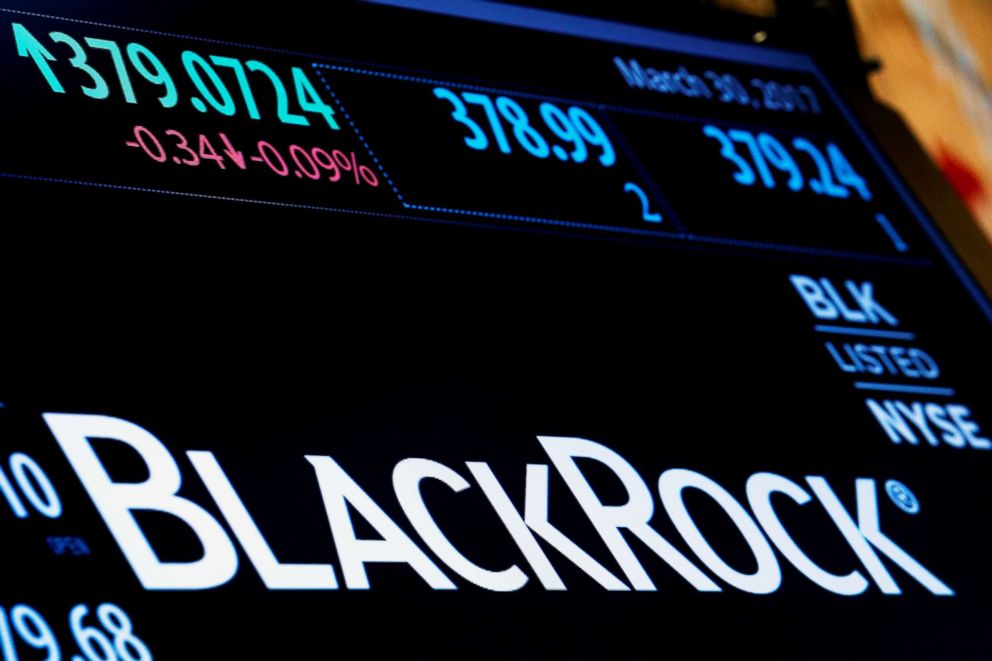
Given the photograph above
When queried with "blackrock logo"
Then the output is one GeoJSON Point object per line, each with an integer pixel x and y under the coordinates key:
{"type": "Point", "coordinates": [530, 529]}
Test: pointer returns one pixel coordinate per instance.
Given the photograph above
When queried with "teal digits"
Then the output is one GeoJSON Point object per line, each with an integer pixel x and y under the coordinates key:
{"type": "Point", "coordinates": [282, 99]}
{"type": "Point", "coordinates": [459, 113]}
{"type": "Point", "coordinates": [310, 101]}
{"type": "Point", "coordinates": [577, 129]}
{"type": "Point", "coordinates": [525, 134]}
{"type": "Point", "coordinates": [213, 91]}
{"type": "Point", "coordinates": [100, 89]}
{"type": "Point", "coordinates": [834, 175]}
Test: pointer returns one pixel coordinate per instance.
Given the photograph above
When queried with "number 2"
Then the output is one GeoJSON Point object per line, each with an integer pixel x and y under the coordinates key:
{"type": "Point", "coordinates": [646, 213]}
{"type": "Point", "coordinates": [282, 99]}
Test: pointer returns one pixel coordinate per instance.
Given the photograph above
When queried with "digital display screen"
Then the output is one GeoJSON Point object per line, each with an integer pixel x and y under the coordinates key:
{"type": "Point", "coordinates": [466, 329]}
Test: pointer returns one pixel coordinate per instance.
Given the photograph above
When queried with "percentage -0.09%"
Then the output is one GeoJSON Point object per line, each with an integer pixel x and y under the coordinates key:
{"type": "Point", "coordinates": [307, 164]}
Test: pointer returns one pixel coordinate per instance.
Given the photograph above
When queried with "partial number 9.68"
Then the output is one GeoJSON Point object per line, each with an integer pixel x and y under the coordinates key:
{"type": "Point", "coordinates": [574, 132]}
{"type": "Point", "coordinates": [762, 154]}
{"type": "Point", "coordinates": [112, 638]}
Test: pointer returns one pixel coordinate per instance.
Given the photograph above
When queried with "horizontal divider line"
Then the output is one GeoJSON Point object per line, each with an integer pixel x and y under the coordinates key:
{"type": "Point", "coordinates": [895, 387]}
{"type": "Point", "coordinates": [599, 29]}
{"type": "Point", "coordinates": [866, 332]}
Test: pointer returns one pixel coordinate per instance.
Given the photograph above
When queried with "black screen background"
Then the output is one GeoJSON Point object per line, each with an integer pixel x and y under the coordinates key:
{"type": "Point", "coordinates": [265, 334]}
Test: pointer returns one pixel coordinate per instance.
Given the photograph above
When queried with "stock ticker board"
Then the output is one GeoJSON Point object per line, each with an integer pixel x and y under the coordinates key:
{"type": "Point", "coordinates": [462, 329]}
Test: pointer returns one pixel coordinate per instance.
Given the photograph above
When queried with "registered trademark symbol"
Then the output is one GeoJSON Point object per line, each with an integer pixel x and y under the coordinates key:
{"type": "Point", "coordinates": [902, 496]}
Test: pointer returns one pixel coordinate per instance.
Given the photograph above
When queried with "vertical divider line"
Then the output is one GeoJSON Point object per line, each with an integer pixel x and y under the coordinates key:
{"type": "Point", "coordinates": [659, 198]}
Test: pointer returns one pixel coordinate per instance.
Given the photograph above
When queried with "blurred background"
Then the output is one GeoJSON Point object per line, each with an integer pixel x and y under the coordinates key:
{"type": "Point", "coordinates": [930, 60]}
{"type": "Point", "coordinates": [936, 57]}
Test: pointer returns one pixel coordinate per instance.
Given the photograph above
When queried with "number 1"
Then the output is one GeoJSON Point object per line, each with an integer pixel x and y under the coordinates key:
{"type": "Point", "coordinates": [239, 73]}
{"type": "Point", "coordinates": [6, 640]}
{"type": "Point", "coordinates": [13, 500]}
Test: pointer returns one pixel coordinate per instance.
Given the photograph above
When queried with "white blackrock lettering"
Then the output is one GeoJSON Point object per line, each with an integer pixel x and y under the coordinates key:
{"type": "Point", "coordinates": [115, 501]}
{"type": "Point", "coordinates": [532, 532]}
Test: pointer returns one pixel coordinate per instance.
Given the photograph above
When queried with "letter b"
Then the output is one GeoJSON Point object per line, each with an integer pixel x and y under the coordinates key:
{"type": "Point", "coordinates": [814, 296]}
{"type": "Point", "coordinates": [117, 500]}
